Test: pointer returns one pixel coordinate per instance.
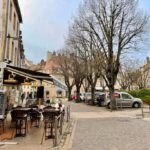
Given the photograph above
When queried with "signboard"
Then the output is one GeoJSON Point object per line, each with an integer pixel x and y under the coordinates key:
{"type": "Point", "coordinates": [1, 18]}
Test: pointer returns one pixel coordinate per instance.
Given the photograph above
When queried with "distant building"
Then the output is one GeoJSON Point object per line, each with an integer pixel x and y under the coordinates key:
{"type": "Point", "coordinates": [11, 47]}
{"type": "Point", "coordinates": [55, 89]}
{"type": "Point", "coordinates": [145, 70]}
{"type": "Point", "coordinates": [51, 67]}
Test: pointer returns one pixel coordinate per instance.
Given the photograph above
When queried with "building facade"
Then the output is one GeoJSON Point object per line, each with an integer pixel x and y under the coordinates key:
{"type": "Point", "coordinates": [11, 47]}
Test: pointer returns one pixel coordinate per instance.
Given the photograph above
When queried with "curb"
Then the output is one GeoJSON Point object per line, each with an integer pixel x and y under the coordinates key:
{"type": "Point", "coordinates": [63, 145]}
{"type": "Point", "coordinates": [69, 139]}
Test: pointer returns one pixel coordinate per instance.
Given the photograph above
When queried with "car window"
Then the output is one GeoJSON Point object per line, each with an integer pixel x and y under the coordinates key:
{"type": "Point", "coordinates": [126, 96]}
{"type": "Point", "coordinates": [116, 95]}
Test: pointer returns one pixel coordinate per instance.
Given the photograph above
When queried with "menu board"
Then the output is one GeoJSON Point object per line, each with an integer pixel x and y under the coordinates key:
{"type": "Point", "coordinates": [2, 104]}
{"type": "Point", "coordinates": [1, 18]}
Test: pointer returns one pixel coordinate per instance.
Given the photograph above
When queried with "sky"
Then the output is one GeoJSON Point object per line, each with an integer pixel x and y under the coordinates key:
{"type": "Point", "coordinates": [45, 25]}
{"type": "Point", "coordinates": [46, 22]}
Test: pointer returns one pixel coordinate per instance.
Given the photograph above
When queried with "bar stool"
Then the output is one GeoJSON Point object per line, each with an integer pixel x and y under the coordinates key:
{"type": "Point", "coordinates": [49, 119]}
{"type": "Point", "coordinates": [2, 124]}
{"type": "Point", "coordinates": [21, 125]}
{"type": "Point", "coordinates": [35, 117]}
{"type": "Point", "coordinates": [19, 117]}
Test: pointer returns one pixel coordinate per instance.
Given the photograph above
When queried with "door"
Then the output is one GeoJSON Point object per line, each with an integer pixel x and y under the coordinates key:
{"type": "Point", "coordinates": [126, 100]}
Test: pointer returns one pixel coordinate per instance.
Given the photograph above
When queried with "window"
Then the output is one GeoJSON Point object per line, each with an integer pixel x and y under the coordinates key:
{"type": "Point", "coordinates": [10, 12]}
{"type": "Point", "coordinates": [8, 48]}
{"type": "Point", "coordinates": [126, 96]}
{"type": "Point", "coordinates": [15, 57]}
{"type": "Point", "coordinates": [14, 24]}
{"type": "Point", "coordinates": [12, 51]}
{"type": "Point", "coordinates": [17, 30]}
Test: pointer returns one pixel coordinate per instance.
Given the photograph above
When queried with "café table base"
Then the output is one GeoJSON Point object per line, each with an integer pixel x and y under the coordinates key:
{"type": "Point", "coordinates": [21, 126]}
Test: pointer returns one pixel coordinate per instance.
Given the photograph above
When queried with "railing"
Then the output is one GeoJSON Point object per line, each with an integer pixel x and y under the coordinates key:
{"type": "Point", "coordinates": [58, 126]}
{"type": "Point", "coordinates": [68, 113]}
{"type": "Point", "coordinates": [58, 129]}
{"type": "Point", "coordinates": [144, 112]}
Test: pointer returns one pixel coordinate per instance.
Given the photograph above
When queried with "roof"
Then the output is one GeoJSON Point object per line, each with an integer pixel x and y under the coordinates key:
{"type": "Point", "coordinates": [30, 72]}
{"type": "Point", "coordinates": [18, 10]}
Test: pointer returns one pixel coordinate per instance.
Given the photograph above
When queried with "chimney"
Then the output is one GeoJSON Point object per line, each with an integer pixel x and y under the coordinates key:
{"type": "Point", "coordinates": [147, 58]}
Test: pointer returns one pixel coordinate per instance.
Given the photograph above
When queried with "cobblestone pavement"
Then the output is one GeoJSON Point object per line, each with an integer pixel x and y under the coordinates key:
{"type": "Point", "coordinates": [99, 129]}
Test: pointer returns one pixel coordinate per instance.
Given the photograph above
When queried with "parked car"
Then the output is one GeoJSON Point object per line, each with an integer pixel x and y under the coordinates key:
{"type": "Point", "coordinates": [101, 99]}
{"type": "Point", "coordinates": [88, 98]}
{"type": "Point", "coordinates": [124, 99]}
{"type": "Point", "coordinates": [82, 97]}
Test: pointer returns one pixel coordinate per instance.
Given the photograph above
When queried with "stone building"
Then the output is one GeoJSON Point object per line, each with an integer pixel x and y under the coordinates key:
{"type": "Point", "coordinates": [11, 47]}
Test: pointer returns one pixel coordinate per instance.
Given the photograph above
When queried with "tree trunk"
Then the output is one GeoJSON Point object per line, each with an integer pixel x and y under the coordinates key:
{"type": "Point", "coordinates": [69, 94]}
{"type": "Point", "coordinates": [78, 93]}
{"type": "Point", "coordinates": [112, 99]}
{"type": "Point", "coordinates": [92, 94]}
{"type": "Point", "coordinates": [86, 89]}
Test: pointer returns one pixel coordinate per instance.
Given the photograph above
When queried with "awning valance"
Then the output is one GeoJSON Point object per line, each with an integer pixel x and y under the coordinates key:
{"type": "Point", "coordinates": [20, 74]}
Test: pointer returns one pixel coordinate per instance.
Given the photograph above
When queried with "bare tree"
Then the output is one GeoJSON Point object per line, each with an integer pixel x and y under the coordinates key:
{"type": "Point", "coordinates": [87, 52]}
{"type": "Point", "coordinates": [130, 76]}
{"type": "Point", "coordinates": [78, 74]}
{"type": "Point", "coordinates": [143, 78]}
{"type": "Point", "coordinates": [116, 27]}
{"type": "Point", "coordinates": [64, 68]}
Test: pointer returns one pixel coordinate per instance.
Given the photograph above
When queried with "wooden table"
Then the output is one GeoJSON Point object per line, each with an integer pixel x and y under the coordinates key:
{"type": "Point", "coordinates": [20, 117]}
{"type": "Point", "coordinates": [49, 120]}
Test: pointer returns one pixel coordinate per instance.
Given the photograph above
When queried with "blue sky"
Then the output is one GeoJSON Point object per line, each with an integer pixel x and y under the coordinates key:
{"type": "Point", "coordinates": [45, 25]}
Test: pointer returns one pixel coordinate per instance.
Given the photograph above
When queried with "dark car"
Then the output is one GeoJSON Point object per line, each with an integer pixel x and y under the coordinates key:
{"type": "Point", "coordinates": [101, 99]}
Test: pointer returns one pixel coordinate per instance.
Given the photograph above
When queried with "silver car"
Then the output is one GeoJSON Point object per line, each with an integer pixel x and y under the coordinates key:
{"type": "Point", "coordinates": [124, 99]}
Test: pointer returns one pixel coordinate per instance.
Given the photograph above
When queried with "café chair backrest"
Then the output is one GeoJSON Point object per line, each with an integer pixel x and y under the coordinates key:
{"type": "Point", "coordinates": [33, 106]}
{"type": "Point", "coordinates": [18, 106]}
{"type": "Point", "coordinates": [48, 107]}
{"type": "Point", "coordinates": [48, 115]}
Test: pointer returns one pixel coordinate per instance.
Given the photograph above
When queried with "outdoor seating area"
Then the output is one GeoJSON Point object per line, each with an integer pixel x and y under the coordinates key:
{"type": "Point", "coordinates": [48, 121]}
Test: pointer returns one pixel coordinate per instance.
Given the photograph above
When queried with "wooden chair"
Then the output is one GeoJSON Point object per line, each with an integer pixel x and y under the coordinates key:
{"type": "Point", "coordinates": [19, 117]}
{"type": "Point", "coordinates": [35, 117]}
{"type": "Point", "coordinates": [2, 124]}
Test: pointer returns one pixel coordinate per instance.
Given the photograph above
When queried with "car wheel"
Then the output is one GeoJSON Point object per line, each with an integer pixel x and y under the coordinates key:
{"type": "Point", "coordinates": [136, 105]}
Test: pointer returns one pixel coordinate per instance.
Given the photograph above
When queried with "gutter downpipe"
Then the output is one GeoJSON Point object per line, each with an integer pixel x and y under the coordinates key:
{"type": "Point", "coordinates": [6, 31]}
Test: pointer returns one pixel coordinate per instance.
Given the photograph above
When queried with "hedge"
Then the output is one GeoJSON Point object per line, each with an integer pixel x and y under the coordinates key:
{"type": "Point", "coordinates": [143, 94]}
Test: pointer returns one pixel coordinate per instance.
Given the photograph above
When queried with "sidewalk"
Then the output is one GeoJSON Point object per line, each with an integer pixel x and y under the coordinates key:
{"type": "Point", "coordinates": [32, 141]}
{"type": "Point", "coordinates": [99, 129]}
